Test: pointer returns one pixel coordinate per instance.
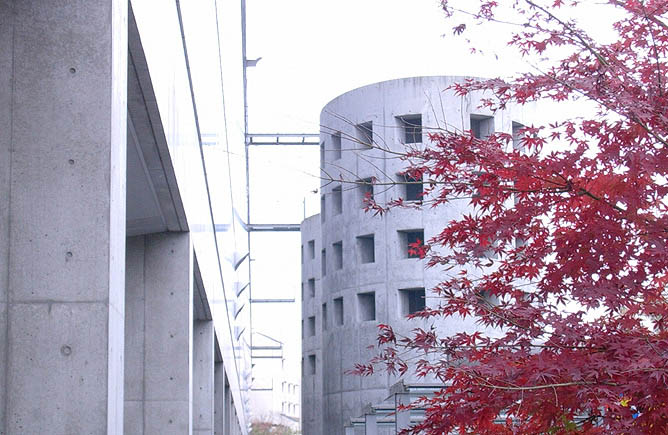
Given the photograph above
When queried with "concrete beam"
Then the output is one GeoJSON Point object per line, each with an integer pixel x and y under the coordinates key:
{"type": "Point", "coordinates": [63, 213]}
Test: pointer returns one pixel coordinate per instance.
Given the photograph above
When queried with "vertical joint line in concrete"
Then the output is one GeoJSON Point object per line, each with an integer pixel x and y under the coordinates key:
{"type": "Point", "coordinates": [143, 351]}
{"type": "Point", "coordinates": [10, 152]}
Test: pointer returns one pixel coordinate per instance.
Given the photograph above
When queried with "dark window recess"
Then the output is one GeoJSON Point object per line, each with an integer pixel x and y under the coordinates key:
{"type": "Point", "coordinates": [488, 299]}
{"type": "Point", "coordinates": [411, 126]}
{"type": "Point", "coordinates": [365, 187]}
{"type": "Point", "coordinates": [338, 255]}
{"type": "Point", "coordinates": [323, 262]}
{"type": "Point", "coordinates": [311, 364]}
{"type": "Point", "coordinates": [311, 287]}
{"type": "Point", "coordinates": [414, 188]}
{"type": "Point", "coordinates": [338, 311]}
{"type": "Point", "coordinates": [482, 126]}
{"type": "Point", "coordinates": [365, 133]}
{"type": "Point", "coordinates": [302, 254]}
{"type": "Point", "coordinates": [303, 328]}
{"type": "Point", "coordinates": [311, 326]}
{"type": "Point", "coordinates": [412, 300]}
{"type": "Point", "coordinates": [311, 249]}
{"type": "Point", "coordinates": [366, 248]}
{"type": "Point", "coordinates": [324, 317]}
{"type": "Point", "coordinates": [517, 136]}
{"type": "Point", "coordinates": [336, 146]}
{"type": "Point", "coordinates": [302, 291]}
{"type": "Point", "coordinates": [407, 238]}
{"type": "Point", "coordinates": [322, 208]}
{"type": "Point", "coordinates": [366, 304]}
{"type": "Point", "coordinates": [322, 155]}
{"type": "Point", "coordinates": [337, 200]}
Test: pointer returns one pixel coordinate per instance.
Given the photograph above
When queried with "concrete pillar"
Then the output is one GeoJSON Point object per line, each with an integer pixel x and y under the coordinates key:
{"type": "Point", "coordinates": [203, 374]}
{"type": "Point", "coordinates": [370, 424]}
{"type": "Point", "coordinates": [158, 334]}
{"type": "Point", "coordinates": [350, 430]}
{"type": "Point", "coordinates": [229, 404]}
{"type": "Point", "coordinates": [402, 418]}
{"type": "Point", "coordinates": [168, 327]}
{"type": "Point", "coordinates": [62, 218]}
{"type": "Point", "coordinates": [219, 398]}
{"type": "Point", "coordinates": [134, 335]}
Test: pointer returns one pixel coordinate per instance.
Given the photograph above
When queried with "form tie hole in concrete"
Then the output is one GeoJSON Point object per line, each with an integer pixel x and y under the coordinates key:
{"type": "Point", "coordinates": [73, 70]}
{"type": "Point", "coordinates": [66, 350]}
{"type": "Point", "coordinates": [68, 255]}
{"type": "Point", "coordinates": [70, 161]}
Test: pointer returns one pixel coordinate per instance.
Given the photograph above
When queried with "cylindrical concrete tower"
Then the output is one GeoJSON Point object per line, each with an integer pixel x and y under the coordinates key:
{"type": "Point", "coordinates": [357, 271]}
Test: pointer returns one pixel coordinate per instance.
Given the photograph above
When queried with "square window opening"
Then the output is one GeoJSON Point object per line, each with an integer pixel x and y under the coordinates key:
{"type": "Point", "coordinates": [338, 255]}
{"type": "Point", "coordinates": [517, 136]}
{"type": "Point", "coordinates": [411, 300]}
{"type": "Point", "coordinates": [366, 306]}
{"type": "Point", "coordinates": [408, 238]}
{"type": "Point", "coordinates": [311, 326]}
{"type": "Point", "coordinates": [337, 200]}
{"type": "Point", "coordinates": [324, 317]}
{"type": "Point", "coordinates": [322, 208]}
{"type": "Point", "coordinates": [311, 364]}
{"type": "Point", "coordinates": [366, 248]}
{"type": "Point", "coordinates": [365, 188]}
{"type": "Point", "coordinates": [311, 287]}
{"type": "Point", "coordinates": [338, 311]}
{"type": "Point", "coordinates": [311, 249]}
{"type": "Point", "coordinates": [323, 262]}
{"type": "Point", "coordinates": [322, 155]}
{"type": "Point", "coordinates": [413, 187]}
{"type": "Point", "coordinates": [482, 126]}
{"type": "Point", "coordinates": [411, 126]}
{"type": "Point", "coordinates": [364, 133]}
{"type": "Point", "coordinates": [336, 145]}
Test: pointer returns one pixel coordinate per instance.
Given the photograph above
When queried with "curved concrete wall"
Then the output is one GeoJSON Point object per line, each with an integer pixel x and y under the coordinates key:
{"type": "Point", "coordinates": [343, 234]}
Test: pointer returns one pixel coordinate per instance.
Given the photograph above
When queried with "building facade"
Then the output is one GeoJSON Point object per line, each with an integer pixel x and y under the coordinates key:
{"type": "Point", "coordinates": [357, 269]}
{"type": "Point", "coordinates": [123, 267]}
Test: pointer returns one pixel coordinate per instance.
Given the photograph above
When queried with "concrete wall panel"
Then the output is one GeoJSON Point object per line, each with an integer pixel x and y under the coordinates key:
{"type": "Point", "coordinates": [57, 383]}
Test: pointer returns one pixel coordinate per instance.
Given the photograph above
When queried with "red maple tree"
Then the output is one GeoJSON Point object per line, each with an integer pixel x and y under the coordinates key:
{"type": "Point", "coordinates": [576, 292]}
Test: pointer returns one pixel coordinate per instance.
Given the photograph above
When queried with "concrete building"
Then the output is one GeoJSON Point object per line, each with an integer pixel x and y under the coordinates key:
{"type": "Point", "coordinates": [357, 269]}
{"type": "Point", "coordinates": [122, 310]}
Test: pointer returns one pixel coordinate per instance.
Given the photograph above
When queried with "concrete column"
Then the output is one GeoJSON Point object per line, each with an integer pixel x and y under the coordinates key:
{"type": "Point", "coordinates": [350, 430]}
{"type": "Point", "coordinates": [203, 385]}
{"type": "Point", "coordinates": [219, 398]}
{"type": "Point", "coordinates": [134, 335]}
{"type": "Point", "coordinates": [62, 218]}
{"type": "Point", "coordinates": [370, 424]}
{"type": "Point", "coordinates": [227, 428]}
{"type": "Point", "coordinates": [402, 418]}
{"type": "Point", "coordinates": [168, 339]}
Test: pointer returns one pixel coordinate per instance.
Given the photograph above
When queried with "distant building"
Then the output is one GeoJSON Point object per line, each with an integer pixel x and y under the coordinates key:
{"type": "Point", "coordinates": [357, 270]}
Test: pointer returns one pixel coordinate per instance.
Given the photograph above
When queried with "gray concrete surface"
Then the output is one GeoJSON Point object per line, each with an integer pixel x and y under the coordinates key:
{"type": "Point", "coordinates": [66, 219]}
{"type": "Point", "coordinates": [203, 378]}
